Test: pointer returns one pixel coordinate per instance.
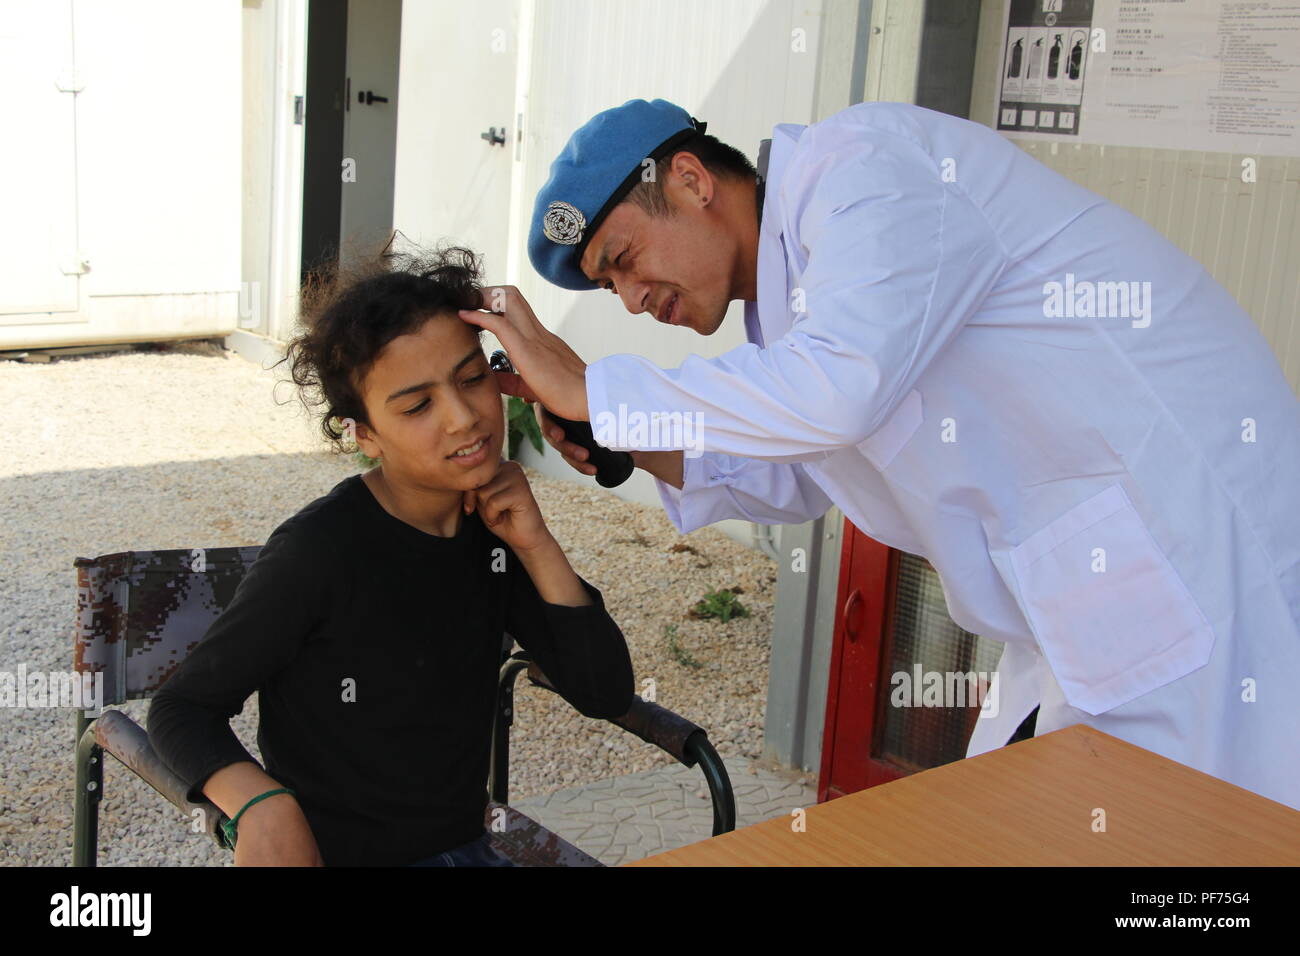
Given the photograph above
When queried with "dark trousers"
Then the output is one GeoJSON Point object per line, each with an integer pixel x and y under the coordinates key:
{"type": "Point", "coordinates": [477, 852]}
{"type": "Point", "coordinates": [1026, 728]}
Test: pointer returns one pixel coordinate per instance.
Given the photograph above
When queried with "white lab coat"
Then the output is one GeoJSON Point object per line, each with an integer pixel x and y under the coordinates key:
{"type": "Point", "coordinates": [900, 365]}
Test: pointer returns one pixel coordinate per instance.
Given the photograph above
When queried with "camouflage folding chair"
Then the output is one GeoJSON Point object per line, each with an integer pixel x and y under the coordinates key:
{"type": "Point", "coordinates": [139, 613]}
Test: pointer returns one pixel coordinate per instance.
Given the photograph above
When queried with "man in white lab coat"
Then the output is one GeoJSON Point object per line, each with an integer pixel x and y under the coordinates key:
{"type": "Point", "coordinates": [979, 362]}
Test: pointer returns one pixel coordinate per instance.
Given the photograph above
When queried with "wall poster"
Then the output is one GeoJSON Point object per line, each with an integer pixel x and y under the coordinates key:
{"type": "Point", "coordinates": [1218, 75]}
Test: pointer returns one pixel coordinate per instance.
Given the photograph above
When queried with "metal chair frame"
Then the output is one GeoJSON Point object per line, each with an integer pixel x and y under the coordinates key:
{"type": "Point", "coordinates": [141, 612]}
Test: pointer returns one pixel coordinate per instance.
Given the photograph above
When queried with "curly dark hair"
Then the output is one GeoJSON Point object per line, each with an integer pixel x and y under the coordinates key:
{"type": "Point", "coordinates": [350, 313]}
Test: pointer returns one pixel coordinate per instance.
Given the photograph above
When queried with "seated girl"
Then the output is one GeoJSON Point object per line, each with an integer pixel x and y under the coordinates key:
{"type": "Point", "coordinates": [371, 623]}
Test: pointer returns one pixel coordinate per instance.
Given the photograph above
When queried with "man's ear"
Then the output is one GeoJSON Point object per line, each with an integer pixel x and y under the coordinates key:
{"type": "Point", "coordinates": [692, 176]}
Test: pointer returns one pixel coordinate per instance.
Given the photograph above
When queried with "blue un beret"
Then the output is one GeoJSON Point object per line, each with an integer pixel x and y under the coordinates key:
{"type": "Point", "coordinates": [598, 166]}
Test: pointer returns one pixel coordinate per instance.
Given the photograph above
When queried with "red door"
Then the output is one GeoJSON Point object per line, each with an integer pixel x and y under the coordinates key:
{"type": "Point", "coordinates": [891, 627]}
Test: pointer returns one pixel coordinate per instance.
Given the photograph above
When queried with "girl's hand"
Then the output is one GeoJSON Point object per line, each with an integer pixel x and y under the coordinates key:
{"type": "Point", "coordinates": [507, 507]}
{"type": "Point", "coordinates": [275, 832]}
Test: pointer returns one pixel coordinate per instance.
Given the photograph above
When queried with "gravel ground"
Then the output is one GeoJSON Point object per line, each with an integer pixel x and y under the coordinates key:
{"type": "Point", "coordinates": [186, 446]}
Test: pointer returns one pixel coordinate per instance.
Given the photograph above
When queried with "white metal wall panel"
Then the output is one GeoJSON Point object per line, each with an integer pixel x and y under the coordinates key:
{"type": "Point", "coordinates": [258, 18]}
{"type": "Point", "coordinates": [739, 65]}
{"type": "Point", "coordinates": [449, 183]}
{"type": "Point", "coordinates": [728, 63]}
{"type": "Point", "coordinates": [38, 212]}
{"type": "Point", "coordinates": [1245, 234]}
{"type": "Point", "coordinates": [158, 144]}
{"type": "Point", "coordinates": [157, 184]}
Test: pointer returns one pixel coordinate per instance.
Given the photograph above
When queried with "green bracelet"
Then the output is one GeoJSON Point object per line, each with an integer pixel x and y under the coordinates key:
{"type": "Point", "coordinates": [229, 826]}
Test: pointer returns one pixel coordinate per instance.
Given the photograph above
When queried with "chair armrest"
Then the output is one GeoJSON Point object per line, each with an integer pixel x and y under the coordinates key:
{"type": "Point", "coordinates": [119, 735]}
{"type": "Point", "coordinates": [652, 723]}
{"type": "Point", "coordinates": [674, 734]}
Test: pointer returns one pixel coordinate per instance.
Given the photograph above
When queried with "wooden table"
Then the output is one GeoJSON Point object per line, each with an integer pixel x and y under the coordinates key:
{"type": "Point", "coordinates": [1032, 803]}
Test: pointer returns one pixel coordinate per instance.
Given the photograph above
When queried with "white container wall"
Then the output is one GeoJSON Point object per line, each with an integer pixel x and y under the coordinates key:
{"type": "Point", "coordinates": [120, 171]}
{"type": "Point", "coordinates": [537, 71]}
{"type": "Point", "coordinates": [1245, 233]}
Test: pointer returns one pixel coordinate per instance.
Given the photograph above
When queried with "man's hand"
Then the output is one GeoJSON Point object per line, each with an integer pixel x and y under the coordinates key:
{"type": "Point", "coordinates": [508, 508]}
{"type": "Point", "coordinates": [554, 373]}
{"type": "Point", "coordinates": [574, 455]}
{"type": "Point", "coordinates": [666, 465]}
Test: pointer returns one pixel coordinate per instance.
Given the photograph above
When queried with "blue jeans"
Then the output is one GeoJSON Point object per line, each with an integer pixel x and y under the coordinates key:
{"type": "Point", "coordinates": [477, 852]}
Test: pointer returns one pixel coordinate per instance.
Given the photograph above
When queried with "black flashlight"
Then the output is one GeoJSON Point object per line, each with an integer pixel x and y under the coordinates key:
{"type": "Point", "coordinates": [612, 467]}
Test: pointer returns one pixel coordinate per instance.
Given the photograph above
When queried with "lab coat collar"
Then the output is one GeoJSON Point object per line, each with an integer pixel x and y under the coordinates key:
{"type": "Point", "coordinates": [768, 319]}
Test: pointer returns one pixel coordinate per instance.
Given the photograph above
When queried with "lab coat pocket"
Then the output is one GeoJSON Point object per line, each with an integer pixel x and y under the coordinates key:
{"type": "Point", "coordinates": [1109, 611]}
{"type": "Point", "coordinates": [883, 445]}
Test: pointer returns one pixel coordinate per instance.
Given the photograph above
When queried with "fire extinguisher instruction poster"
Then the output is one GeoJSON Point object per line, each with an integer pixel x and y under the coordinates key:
{"type": "Point", "coordinates": [1215, 75]}
{"type": "Point", "coordinates": [1045, 65]}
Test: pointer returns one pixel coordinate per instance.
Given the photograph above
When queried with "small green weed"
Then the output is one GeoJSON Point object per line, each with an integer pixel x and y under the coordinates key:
{"type": "Point", "coordinates": [721, 605]}
{"type": "Point", "coordinates": [680, 654]}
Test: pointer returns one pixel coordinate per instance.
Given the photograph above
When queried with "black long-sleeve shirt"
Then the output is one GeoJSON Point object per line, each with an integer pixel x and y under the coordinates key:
{"type": "Point", "coordinates": [374, 648]}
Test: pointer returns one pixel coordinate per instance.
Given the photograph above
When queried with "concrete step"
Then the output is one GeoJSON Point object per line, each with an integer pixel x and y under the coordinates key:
{"type": "Point", "coordinates": [620, 819]}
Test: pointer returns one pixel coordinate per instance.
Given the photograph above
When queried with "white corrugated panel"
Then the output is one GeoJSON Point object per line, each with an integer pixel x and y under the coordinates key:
{"type": "Point", "coordinates": [38, 212]}
{"type": "Point", "coordinates": [1245, 234]}
{"type": "Point", "coordinates": [741, 66]}
{"type": "Point", "coordinates": [157, 170]}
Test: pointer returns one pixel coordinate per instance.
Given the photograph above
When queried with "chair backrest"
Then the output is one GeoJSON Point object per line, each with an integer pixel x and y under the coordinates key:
{"type": "Point", "coordinates": [139, 613]}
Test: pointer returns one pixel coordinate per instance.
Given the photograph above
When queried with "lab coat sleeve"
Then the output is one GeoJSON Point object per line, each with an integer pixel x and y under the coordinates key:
{"type": "Point", "coordinates": [898, 259]}
{"type": "Point", "coordinates": [715, 487]}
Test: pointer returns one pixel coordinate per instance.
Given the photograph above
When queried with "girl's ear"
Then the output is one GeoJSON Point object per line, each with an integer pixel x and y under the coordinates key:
{"type": "Point", "coordinates": [366, 441]}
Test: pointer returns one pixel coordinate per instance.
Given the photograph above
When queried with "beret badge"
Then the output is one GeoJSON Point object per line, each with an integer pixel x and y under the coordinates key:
{"type": "Point", "coordinates": [564, 223]}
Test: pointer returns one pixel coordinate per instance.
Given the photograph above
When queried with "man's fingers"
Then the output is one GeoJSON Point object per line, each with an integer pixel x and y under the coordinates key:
{"type": "Point", "coordinates": [582, 466]}
{"type": "Point", "coordinates": [550, 431]}
{"type": "Point", "coordinates": [554, 436]}
{"type": "Point", "coordinates": [494, 323]}
{"type": "Point", "coordinates": [493, 297]}
{"type": "Point", "coordinates": [574, 455]}
{"type": "Point", "coordinates": [508, 303]}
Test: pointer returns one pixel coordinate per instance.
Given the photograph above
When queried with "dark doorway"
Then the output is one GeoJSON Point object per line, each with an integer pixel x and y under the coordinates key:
{"type": "Point", "coordinates": [947, 68]}
{"type": "Point", "coordinates": [322, 186]}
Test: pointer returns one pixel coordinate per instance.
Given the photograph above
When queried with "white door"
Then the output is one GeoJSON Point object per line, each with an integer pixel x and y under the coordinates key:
{"type": "Point", "coordinates": [369, 125]}
{"type": "Point", "coordinates": [38, 195]}
{"type": "Point", "coordinates": [459, 65]}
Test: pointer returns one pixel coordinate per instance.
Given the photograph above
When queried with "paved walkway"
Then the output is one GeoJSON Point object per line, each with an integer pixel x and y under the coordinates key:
{"type": "Point", "coordinates": [626, 818]}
